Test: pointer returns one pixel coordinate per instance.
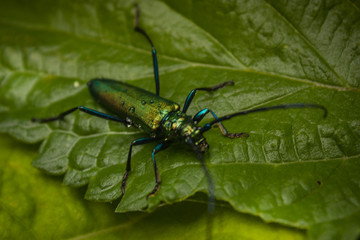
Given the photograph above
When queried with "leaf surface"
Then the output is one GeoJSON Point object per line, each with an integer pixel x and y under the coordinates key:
{"type": "Point", "coordinates": [296, 168]}
{"type": "Point", "coordinates": [37, 206]}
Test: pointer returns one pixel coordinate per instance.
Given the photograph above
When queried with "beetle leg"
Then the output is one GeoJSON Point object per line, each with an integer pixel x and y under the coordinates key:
{"type": "Point", "coordinates": [83, 109]}
{"type": "Point", "coordinates": [158, 148]}
{"type": "Point", "coordinates": [136, 142]}
{"type": "Point", "coordinates": [200, 115]}
{"type": "Point", "coordinates": [153, 50]}
{"type": "Point", "coordinates": [208, 89]}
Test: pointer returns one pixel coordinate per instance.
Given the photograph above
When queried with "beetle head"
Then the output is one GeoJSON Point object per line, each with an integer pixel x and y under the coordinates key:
{"type": "Point", "coordinates": [193, 137]}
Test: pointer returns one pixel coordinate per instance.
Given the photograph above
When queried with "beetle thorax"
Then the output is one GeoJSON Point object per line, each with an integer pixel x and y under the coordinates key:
{"type": "Point", "coordinates": [173, 124]}
{"type": "Point", "coordinates": [177, 125]}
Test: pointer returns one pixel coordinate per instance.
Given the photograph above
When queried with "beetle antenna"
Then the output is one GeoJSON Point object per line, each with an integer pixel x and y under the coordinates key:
{"type": "Point", "coordinates": [155, 62]}
{"type": "Point", "coordinates": [136, 25]}
{"type": "Point", "coordinates": [263, 109]}
{"type": "Point", "coordinates": [137, 13]}
{"type": "Point", "coordinates": [211, 187]}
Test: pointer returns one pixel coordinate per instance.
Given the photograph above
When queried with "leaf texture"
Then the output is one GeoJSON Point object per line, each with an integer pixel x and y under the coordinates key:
{"type": "Point", "coordinates": [296, 168]}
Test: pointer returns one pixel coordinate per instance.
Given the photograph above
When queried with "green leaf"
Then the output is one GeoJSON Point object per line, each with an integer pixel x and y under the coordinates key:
{"type": "Point", "coordinates": [295, 168]}
{"type": "Point", "coordinates": [36, 206]}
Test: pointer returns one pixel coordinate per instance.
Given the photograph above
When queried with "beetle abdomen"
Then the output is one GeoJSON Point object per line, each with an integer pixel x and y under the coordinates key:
{"type": "Point", "coordinates": [144, 108]}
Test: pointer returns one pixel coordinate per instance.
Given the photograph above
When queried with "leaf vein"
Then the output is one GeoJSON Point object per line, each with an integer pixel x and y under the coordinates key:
{"type": "Point", "coordinates": [190, 63]}
{"type": "Point", "coordinates": [109, 229]}
{"type": "Point", "coordinates": [308, 42]}
{"type": "Point", "coordinates": [240, 64]}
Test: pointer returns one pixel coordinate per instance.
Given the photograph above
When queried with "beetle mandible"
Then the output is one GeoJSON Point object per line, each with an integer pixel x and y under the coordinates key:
{"type": "Point", "coordinates": [161, 118]}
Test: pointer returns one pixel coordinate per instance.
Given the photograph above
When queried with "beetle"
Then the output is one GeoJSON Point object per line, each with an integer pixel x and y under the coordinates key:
{"type": "Point", "coordinates": [161, 118]}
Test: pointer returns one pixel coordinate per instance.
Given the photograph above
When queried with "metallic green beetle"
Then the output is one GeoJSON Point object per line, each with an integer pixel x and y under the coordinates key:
{"type": "Point", "coordinates": [161, 118]}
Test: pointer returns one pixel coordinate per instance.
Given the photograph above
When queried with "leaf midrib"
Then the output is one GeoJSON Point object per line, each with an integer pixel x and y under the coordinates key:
{"type": "Point", "coordinates": [307, 41]}
{"type": "Point", "coordinates": [110, 229]}
{"type": "Point", "coordinates": [175, 59]}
